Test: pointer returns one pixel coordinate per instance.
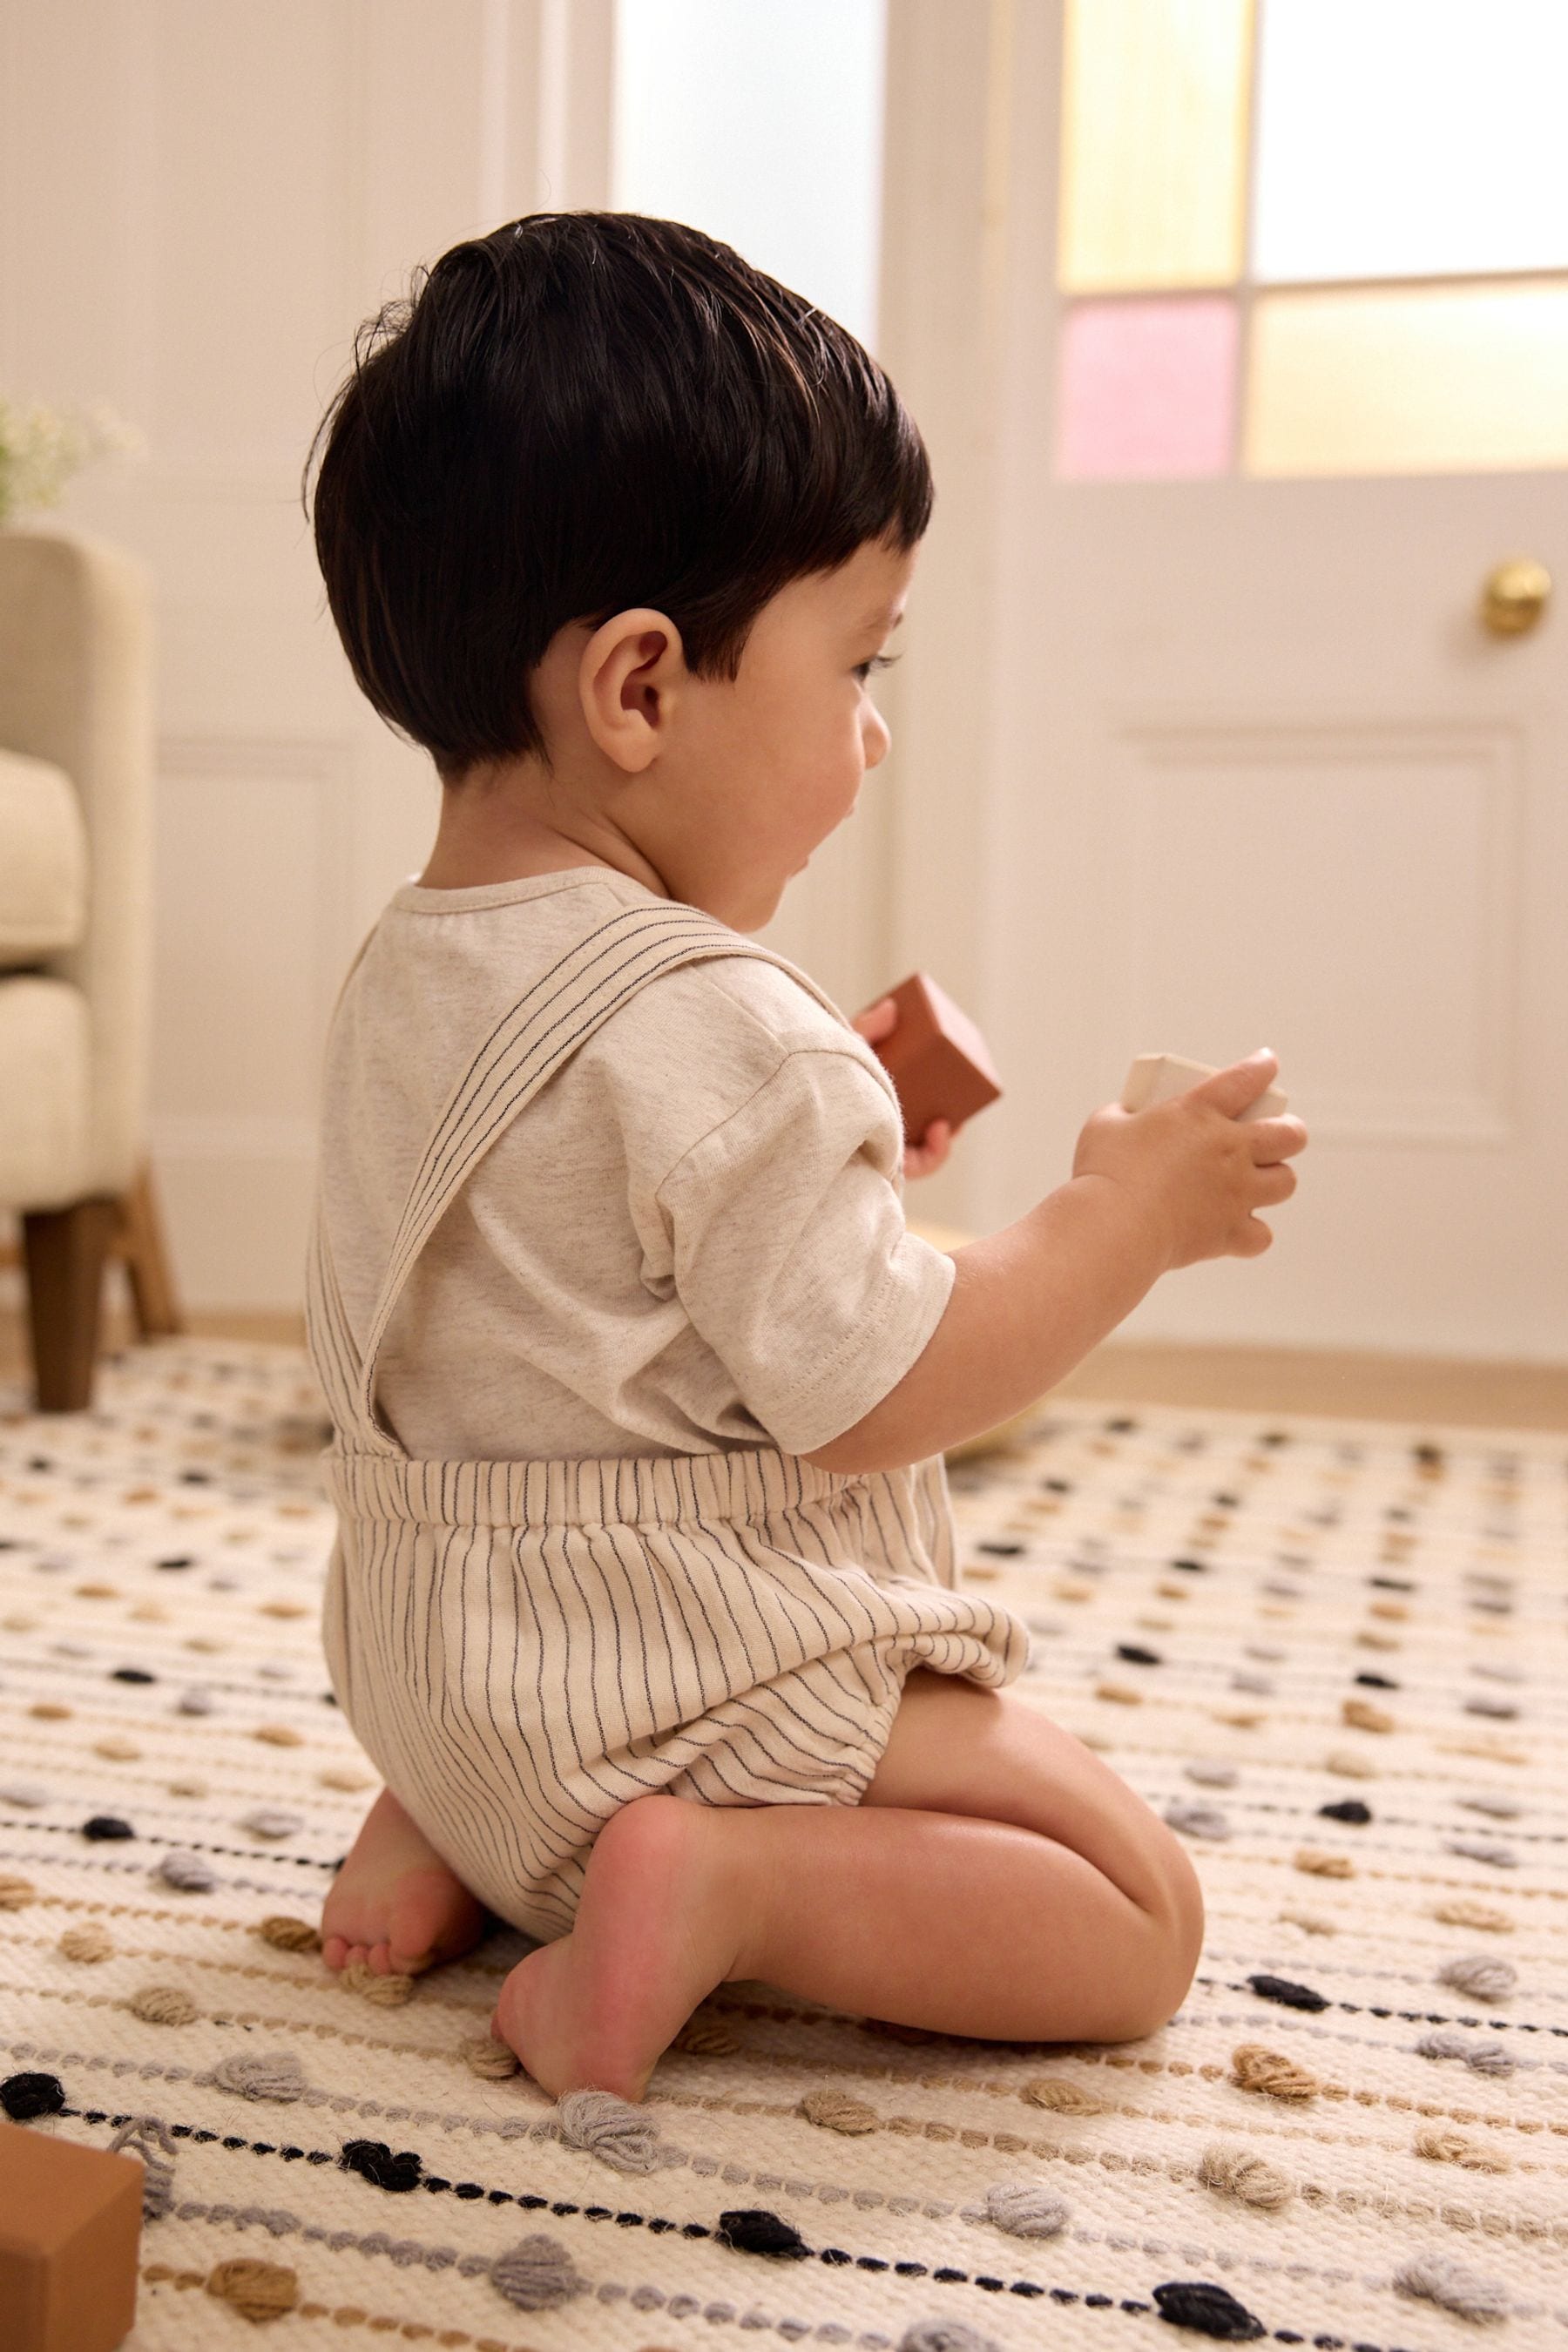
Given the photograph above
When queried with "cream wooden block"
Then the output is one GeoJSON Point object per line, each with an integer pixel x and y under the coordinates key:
{"type": "Point", "coordinates": [1155, 1078]}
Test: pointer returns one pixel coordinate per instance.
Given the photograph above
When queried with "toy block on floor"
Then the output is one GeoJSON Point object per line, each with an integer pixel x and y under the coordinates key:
{"type": "Point", "coordinates": [70, 2225]}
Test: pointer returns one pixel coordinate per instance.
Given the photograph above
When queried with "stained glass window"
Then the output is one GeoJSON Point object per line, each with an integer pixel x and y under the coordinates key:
{"type": "Point", "coordinates": [1154, 143]}
{"type": "Point", "coordinates": [1367, 201]}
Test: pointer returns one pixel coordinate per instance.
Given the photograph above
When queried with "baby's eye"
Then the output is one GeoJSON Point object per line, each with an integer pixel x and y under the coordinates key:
{"type": "Point", "coordinates": [863, 670]}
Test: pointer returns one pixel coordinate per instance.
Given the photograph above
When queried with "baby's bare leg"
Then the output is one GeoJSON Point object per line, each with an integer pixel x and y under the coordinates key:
{"type": "Point", "coordinates": [998, 1880]}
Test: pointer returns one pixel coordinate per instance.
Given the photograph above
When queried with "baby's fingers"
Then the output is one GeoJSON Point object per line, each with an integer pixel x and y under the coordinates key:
{"type": "Point", "coordinates": [924, 1158]}
{"type": "Point", "coordinates": [1275, 1138]}
{"type": "Point", "coordinates": [1275, 1184]}
{"type": "Point", "coordinates": [878, 1021]}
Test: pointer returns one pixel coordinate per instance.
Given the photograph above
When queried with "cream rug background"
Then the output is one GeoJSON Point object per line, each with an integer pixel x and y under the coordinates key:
{"type": "Point", "coordinates": [1254, 1620]}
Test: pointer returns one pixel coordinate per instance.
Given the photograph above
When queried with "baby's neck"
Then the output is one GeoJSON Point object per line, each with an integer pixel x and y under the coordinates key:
{"type": "Point", "coordinates": [489, 834]}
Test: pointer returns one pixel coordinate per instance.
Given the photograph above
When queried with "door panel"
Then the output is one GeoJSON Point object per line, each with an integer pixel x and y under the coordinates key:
{"type": "Point", "coordinates": [1247, 770]}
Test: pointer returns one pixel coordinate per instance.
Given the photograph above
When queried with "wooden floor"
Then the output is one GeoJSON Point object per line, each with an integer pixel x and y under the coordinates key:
{"type": "Point", "coordinates": [1277, 1379]}
{"type": "Point", "coordinates": [1311, 1379]}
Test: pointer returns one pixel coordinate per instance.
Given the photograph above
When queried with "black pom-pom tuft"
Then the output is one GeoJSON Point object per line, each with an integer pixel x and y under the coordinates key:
{"type": "Point", "coordinates": [1349, 1809]}
{"type": "Point", "coordinates": [1293, 1996]}
{"type": "Point", "coordinates": [22, 2096]}
{"type": "Point", "coordinates": [106, 1825]}
{"type": "Point", "coordinates": [374, 2162]}
{"type": "Point", "coordinates": [1212, 2310]}
{"type": "Point", "coordinates": [752, 2229]}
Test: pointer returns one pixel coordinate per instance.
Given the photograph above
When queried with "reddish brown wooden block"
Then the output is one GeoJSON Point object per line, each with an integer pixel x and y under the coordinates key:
{"type": "Point", "coordinates": [70, 2223]}
{"type": "Point", "coordinates": [936, 1057]}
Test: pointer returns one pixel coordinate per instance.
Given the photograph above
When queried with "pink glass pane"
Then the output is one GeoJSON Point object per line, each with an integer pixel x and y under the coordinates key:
{"type": "Point", "coordinates": [1147, 387]}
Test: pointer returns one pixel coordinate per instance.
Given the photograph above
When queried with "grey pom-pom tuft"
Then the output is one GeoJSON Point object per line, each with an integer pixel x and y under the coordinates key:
{"type": "Point", "coordinates": [262, 2075]}
{"type": "Point", "coordinates": [1026, 2209]}
{"type": "Point", "coordinates": [1196, 1819]}
{"type": "Point", "coordinates": [624, 2136]}
{"type": "Point", "coordinates": [1440, 2278]}
{"type": "Point", "coordinates": [1476, 1973]}
{"type": "Point", "coordinates": [537, 2273]}
{"type": "Point", "coordinates": [269, 1822]}
{"type": "Point", "coordinates": [944, 2335]}
{"type": "Point", "coordinates": [148, 2137]}
{"type": "Point", "coordinates": [188, 1871]}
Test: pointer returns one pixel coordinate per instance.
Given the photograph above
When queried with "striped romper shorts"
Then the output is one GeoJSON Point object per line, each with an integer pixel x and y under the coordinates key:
{"type": "Point", "coordinates": [522, 1647]}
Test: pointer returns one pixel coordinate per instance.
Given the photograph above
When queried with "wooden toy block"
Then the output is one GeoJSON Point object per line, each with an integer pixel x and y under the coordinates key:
{"type": "Point", "coordinates": [70, 2225]}
{"type": "Point", "coordinates": [936, 1057]}
{"type": "Point", "coordinates": [1155, 1078]}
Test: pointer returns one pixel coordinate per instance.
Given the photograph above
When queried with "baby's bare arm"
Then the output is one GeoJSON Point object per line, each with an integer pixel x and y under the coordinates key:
{"type": "Point", "coordinates": [1027, 1305]}
{"type": "Point", "coordinates": [1152, 1190]}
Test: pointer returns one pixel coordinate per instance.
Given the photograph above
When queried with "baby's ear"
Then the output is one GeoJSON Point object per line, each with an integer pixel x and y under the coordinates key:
{"type": "Point", "coordinates": [630, 676]}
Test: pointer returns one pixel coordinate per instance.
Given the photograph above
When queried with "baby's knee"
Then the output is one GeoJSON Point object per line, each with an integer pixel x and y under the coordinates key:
{"type": "Point", "coordinates": [1182, 1932]}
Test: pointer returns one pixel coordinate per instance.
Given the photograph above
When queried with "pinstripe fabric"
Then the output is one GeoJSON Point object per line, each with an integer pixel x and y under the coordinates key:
{"type": "Point", "coordinates": [524, 1646]}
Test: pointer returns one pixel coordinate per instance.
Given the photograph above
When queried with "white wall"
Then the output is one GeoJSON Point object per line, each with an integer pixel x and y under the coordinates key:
{"type": "Point", "coordinates": [199, 201]}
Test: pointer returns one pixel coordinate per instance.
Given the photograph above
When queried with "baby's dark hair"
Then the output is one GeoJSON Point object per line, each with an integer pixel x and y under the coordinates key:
{"type": "Point", "coordinates": [580, 413]}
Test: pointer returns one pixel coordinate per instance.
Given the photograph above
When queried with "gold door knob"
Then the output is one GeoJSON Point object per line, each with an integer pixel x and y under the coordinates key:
{"type": "Point", "coordinates": [1514, 596]}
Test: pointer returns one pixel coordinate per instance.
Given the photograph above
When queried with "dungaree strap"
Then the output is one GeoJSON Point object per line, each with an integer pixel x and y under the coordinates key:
{"type": "Point", "coordinates": [506, 1070]}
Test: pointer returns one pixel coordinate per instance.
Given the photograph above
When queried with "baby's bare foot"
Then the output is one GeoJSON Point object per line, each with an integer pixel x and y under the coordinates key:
{"type": "Point", "coordinates": [394, 1904]}
{"type": "Point", "coordinates": [659, 1922]}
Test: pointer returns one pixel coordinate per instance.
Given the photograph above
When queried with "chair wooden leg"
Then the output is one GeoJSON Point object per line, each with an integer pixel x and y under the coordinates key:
{"type": "Point", "coordinates": [66, 1250]}
{"type": "Point", "coordinates": [141, 1243]}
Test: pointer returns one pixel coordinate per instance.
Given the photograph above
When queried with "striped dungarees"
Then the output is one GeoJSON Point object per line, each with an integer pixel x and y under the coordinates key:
{"type": "Point", "coordinates": [522, 1647]}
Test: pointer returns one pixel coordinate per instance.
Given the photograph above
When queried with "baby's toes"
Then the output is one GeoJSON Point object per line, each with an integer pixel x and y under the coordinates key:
{"type": "Point", "coordinates": [335, 1952]}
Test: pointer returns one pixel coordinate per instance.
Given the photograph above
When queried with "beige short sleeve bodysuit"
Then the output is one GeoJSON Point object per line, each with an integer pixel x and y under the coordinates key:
{"type": "Point", "coordinates": [609, 1229]}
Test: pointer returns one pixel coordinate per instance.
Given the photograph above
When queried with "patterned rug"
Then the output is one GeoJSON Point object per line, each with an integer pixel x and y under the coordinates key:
{"type": "Point", "coordinates": [1332, 1653]}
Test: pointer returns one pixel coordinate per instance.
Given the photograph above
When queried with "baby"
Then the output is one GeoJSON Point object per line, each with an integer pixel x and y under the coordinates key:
{"type": "Point", "coordinates": [643, 1599]}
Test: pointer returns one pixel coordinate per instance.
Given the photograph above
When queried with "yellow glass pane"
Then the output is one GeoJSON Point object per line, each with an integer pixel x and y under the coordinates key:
{"type": "Point", "coordinates": [1154, 144]}
{"type": "Point", "coordinates": [1420, 379]}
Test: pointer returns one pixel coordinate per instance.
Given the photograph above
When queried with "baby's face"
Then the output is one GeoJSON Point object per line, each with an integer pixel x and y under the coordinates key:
{"type": "Point", "coordinates": [766, 766]}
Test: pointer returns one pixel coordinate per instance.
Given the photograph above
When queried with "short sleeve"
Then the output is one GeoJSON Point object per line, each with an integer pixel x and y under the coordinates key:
{"type": "Point", "coordinates": [791, 1254]}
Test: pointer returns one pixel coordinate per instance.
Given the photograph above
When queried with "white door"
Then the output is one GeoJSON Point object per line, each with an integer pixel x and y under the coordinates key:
{"type": "Point", "coordinates": [1256, 772]}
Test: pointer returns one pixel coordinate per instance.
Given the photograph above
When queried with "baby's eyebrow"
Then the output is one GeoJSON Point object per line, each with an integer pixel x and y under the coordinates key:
{"type": "Point", "coordinates": [880, 620]}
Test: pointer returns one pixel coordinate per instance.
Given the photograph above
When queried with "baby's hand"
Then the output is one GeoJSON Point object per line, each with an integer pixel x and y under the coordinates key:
{"type": "Point", "coordinates": [924, 1158]}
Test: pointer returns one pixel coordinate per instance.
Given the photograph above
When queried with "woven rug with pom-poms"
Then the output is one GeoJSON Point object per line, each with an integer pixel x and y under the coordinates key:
{"type": "Point", "coordinates": [1331, 1654]}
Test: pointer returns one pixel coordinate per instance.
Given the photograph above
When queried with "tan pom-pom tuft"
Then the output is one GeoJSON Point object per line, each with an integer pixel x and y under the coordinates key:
{"type": "Point", "coordinates": [1466, 1914]}
{"type": "Point", "coordinates": [1446, 2147]}
{"type": "Point", "coordinates": [1064, 2098]}
{"type": "Point", "coordinates": [1236, 2172]}
{"type": "Point", "coordinates": [257, 2290]}
{"type": "Point", "coordinates": [1258, 2068]}
{"type": "Point", "coordinates": [158, 2004]}
{"type": "Point", "coordinates": [385, 1992]}
{"type": "Point", "coordinates": [88, 1943]}
{"type": "Point", "coordinates": [1319, 1864]}
{"type": "Point", "coordinates": [490, 2059]}
{"type": "Point", "coordinates": [289, 1934]}
{"type": "Point", "coordinates": [835, 2110]}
